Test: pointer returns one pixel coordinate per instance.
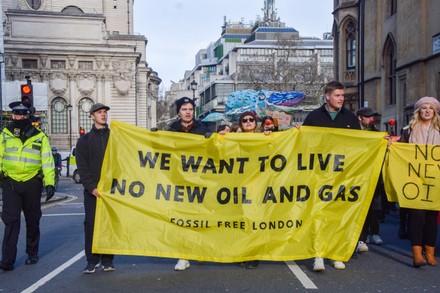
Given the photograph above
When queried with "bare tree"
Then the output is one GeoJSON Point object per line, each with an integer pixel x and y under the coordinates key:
{"type": "Point", "coordinates": [287, 66]}
{"type": "Point", "coordinates": [164, 111]}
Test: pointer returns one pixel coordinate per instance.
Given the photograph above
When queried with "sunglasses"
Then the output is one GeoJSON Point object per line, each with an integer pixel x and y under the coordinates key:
{"type": "Point", "coordinates": [245, 120]}
{"type": "Point", "coordinates": [269, 129]}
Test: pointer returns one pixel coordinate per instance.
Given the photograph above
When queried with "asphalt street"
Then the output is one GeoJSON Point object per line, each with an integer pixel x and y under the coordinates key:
{"type": "Point", "coordinates": [385, 268]}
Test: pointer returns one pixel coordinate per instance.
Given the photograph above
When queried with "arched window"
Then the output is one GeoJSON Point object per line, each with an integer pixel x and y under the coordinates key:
{"type": "Point", "coordinates": [389, 60]}
{"type": "Point", "coordinates": [72, 10]}
{"type": "Point", "coordinates": [350, 32]}
{"type": "Point", "coordinates": [84, 114]}
{"type": "Point", "coordinates": [34, 4]}
{"type": "Point", "coordinates": [59, 116]}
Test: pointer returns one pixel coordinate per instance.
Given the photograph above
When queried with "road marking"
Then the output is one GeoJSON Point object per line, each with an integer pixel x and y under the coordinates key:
{"type": "Point", "coordinates": [62, 215]}
{"type": "Point", "coordinates": [54, 273]}
{"type": "Point", "coordinates": [302, 277]}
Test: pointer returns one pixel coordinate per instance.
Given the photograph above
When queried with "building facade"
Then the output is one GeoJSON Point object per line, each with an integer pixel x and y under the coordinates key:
{"type": "Point", "coordinates": [387, 53]}
{"type": "Point", "coordinates": [261, 55]}
{"type": "Point", "coordinates": [85, 51]}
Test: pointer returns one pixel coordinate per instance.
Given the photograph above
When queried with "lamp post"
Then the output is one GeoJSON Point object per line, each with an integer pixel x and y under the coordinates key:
{"type": "Point", "coordinates": [2, 56]}
{"type": "Point", "coordinates": [69, 108]}
{"type": "Point", "coordinates": [193, 87]}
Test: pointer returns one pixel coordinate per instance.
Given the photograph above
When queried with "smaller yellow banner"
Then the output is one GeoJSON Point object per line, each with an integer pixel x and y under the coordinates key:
{"type": "Point", "coordinates": [412, 175]}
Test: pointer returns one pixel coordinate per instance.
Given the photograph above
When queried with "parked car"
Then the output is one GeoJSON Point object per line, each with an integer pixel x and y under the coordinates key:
{"type": "Point", "coordinates": [72, 166]}
{"type": "Point", "coordinates": [69, 168]}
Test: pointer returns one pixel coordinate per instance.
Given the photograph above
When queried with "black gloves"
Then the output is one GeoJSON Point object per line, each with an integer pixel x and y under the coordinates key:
{"type": "Point", "coordinates": [208, 134]}
{"type": "Point", "coordinates": [50, 191]}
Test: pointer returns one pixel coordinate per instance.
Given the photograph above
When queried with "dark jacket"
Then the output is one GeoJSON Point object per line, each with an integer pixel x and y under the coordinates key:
{"type": "Point", "coordinates": [90, 151]}
{"type": "Point", "coordinates": [198, 127]}
{"type": "Point", "coordinates": [321, 117]}
{"type": "Point", "coordinates": [406, 132]}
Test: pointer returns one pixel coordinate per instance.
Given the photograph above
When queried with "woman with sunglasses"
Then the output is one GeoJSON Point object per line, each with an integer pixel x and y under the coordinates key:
{"type": "Point", "coordinates": [248, 122]}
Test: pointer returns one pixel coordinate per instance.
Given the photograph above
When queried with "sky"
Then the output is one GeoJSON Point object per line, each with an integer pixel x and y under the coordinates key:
{"type": "Point", "coordinates": [177, 29]}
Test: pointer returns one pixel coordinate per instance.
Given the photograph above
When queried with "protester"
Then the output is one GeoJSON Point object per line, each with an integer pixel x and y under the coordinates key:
{"type": "Point", "coordinates": [235, 127]}
{"type": "Point", "coordinates": [332, 114]}
{"type": "Point", "coordinates": [370, 231]}
{"type": "Point", "coordinates": [223, 128]}
{"type": "Point", "coordinates": [268, 125]}
{"type": "Point", "coordinates": [25, 159]}
{"type": "Point", "coordinates": [248, 124]}
{"type": "Point", "coordinates": [187, 123]}
{"type": "Point", "coordinates": [424, 128]}
{"type": "Point", "coordinates": [90, 150]}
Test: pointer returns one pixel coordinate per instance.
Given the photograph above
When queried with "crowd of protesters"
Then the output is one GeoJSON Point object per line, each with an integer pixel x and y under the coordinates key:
{"type": "Point", "coordinates": [420, 226]}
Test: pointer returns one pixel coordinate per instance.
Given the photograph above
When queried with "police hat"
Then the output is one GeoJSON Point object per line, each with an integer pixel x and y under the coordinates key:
{"type": "Point", "coordinates": [179, 103]}
{"type": "Point", "coordinates": [366, 112]}
{"type": "Point", "coordinates": [98, 106]}
{"type": "Point", "coordinates": [20, 108]}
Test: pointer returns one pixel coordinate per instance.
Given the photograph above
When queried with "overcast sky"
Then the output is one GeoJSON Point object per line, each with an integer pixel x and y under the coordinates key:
{"type": "Point", "coordinates": [177, 29]}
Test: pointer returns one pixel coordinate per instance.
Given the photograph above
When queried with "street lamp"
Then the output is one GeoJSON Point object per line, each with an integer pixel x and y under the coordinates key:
{"type": "Point", "coordinates": [2, 60]}
{"type": "Point", "coordinates": [193, 87]}
{"type": "Point", "coordinates": [69, 108]}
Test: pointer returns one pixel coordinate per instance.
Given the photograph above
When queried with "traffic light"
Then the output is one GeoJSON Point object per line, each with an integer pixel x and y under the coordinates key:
{"type": "Point", "coordinates": [27, 93]}
{"type": "Point", "coordinates": [81, 131]}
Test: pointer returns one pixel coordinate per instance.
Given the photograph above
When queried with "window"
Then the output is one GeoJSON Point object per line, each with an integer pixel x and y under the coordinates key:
{"type": "Point", "coordinates": [389, 59]}
{"type": "Point", "coordinates": [84, 114]}
{"type": "Point", "coordinates": [350, 45]}
{"type": "Point", "coordinates": [57, 64]}
{"type": "Point", "coordinates": [29, 63]}
{"type": "Point", "coordinates": [326, 53]}
{"type": "Point", "coordinates": [85, 65]}
{"type": "Point", "coordinates": [59, 116]}
{"type": "Point", "coordinates": [393, 7]}
{"type": "Point", "coordinates": [72, 10]}
{"type": "Point", "coordinates": [438, 84]}
{"type": "Point", "coordinates": [34, 4]}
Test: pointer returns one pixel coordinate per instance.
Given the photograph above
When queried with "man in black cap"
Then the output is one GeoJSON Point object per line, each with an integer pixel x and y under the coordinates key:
{"type": "Point", "coordinates": [366, 118]}
{"type": "Point", "coordinates": [370, 231]}
{"type": "Point", "coordinates": [25, 159]}
{"type": "Point", "coordinates": [186, 123]}
{"type": "Point", "coordinates": [90, 150]}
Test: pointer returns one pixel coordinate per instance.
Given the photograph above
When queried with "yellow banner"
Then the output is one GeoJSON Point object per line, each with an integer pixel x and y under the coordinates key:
{"type": "Point", "coordinates": [236, 197]}
{"type": "Point", "coordinates": [411, 175]}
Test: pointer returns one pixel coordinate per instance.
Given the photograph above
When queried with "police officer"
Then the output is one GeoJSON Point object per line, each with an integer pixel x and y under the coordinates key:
{"type": "Point", "coordinates": [25, 158]}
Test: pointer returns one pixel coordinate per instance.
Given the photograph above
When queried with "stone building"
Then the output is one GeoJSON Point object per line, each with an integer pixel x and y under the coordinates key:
{"type": "Point", "coordinates": [86, 52]}
{"type": "Point", "coordinates": [387, 53]}
{"type": "Point", "coordinates": [264, 54]}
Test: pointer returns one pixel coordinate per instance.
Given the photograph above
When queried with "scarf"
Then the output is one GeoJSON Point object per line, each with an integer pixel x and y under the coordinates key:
{"type": "Point", "coordinates": [425, 135]}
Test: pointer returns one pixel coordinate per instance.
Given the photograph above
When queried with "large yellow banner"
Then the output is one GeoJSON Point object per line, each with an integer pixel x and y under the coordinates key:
{"type": "Point", "coordinates": [294, 194]}
{"type": "Point", "coordinates": [411, 175]}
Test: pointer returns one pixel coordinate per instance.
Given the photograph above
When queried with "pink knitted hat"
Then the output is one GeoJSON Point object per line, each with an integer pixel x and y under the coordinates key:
{"type": "Point", "coordinates": [428, 100]}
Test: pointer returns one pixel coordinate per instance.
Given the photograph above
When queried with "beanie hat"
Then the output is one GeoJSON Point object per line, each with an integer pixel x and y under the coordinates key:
{"type": "Point", "coordinates": [179, 103]}
{"type": "Point", "coordinates": [428, 100]}
{"type": "Point", "coordinates": [248, 113]}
